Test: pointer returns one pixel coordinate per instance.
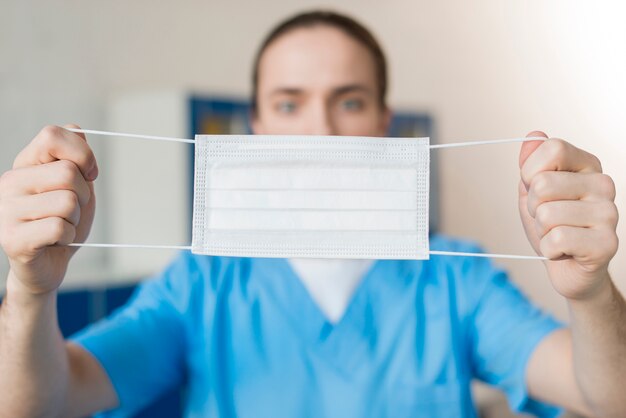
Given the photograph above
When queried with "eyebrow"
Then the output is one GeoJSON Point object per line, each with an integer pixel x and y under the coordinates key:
{"type": "Point", "coordinates": [351, 88]}
{"type": "Point", "coordinates": [338, 91]}
{"type": "Point", "coordinates": [286, 90]}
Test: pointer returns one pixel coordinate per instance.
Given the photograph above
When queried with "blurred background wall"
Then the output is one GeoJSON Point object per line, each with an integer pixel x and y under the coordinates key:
{"type": "Point", "coordinates": [485, 69]}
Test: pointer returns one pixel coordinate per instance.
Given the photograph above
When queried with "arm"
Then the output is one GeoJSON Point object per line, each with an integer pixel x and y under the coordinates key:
{"type": "Point", "coordinates": [45, 200]}
{"type": "Point", "coordinates": [572, 369]}
{"type": "Point", "coordinates": [567, 209]}
{"type": "Point", "coordinates": [41, 373]}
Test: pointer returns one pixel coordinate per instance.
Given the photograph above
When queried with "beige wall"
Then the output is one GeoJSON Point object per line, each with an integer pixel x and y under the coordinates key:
{"type": "Point", "coordinates": [485, 69]}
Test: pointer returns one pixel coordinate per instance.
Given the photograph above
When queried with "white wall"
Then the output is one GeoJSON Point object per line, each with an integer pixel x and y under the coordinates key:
{"type": "Point", "coordinates": [485, 69]}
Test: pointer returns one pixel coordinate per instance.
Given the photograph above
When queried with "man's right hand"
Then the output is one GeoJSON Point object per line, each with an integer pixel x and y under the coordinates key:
{"type": "Point", "coordinates": [46, 202]}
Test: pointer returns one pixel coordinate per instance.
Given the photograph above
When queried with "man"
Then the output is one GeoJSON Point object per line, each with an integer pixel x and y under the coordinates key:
{"type": "Point", "coordinates": [274, 337]}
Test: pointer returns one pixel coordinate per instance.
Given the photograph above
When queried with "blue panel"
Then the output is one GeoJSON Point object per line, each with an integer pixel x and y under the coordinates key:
{"type": "Point", "coordinates": [168, 406]}
{"type": "Point", "coordinates": [117, 297]}
{"type": "Point", "coordinates": [405, 124]}
{"type": "Point", "coordinates": [206, 113]}
{"type": "Point", "coordinates": [74, 311]}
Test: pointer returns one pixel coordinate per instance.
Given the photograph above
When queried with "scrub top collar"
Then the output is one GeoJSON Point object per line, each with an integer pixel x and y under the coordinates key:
{"type": "Point", "coordinates": [348, 342]}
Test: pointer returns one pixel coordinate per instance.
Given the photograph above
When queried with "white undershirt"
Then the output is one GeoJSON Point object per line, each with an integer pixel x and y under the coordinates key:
{"type": "Point", "coordinates": [331, 282]}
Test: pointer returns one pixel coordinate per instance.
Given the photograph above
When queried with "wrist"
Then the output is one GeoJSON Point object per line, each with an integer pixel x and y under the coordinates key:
{"type": "Point", "coordinates": [18, 292]}
{"type": "Point", "coordinates": [601, 294]}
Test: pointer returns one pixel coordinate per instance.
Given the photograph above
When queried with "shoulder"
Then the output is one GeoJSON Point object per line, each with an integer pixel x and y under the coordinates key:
{"type": "Point", "coordinates": [194, 268]}
{"type": "Point", "coordinates": [465, 265]}
{"type": "Point", "coordinates": [470, 277]}
{"type": "Point", "coordinates": [190, 278]}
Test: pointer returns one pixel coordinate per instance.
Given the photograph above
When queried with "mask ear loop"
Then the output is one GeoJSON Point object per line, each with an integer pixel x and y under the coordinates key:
{"type": "Point", "coordinates": [136, 136]}
{"type": "Point", "coordinates": [153, 247]}
{"type": "Point", "coordinates": [188, 248]}
{"type": "Point", "coordinates": [192, 141]}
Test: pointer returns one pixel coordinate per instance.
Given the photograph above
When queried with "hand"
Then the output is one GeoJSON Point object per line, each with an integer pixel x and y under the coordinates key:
{"type": "Point", "coordinates": [569, 216]}
{"type": "Point", "coordinates": [46, 202]}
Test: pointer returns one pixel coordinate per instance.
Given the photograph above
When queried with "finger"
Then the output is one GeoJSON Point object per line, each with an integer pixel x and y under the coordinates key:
{"type": "Point", "coordinates": [93, 173]}
{"type": "Point", "coordinates": [527, 220]}
{"type": "Point", "coordinates": [529, 147]}
{"type": "Point", "coordinates": [58, 203]}
{"type": "Point", "coordinates": [558, 155]}
{"type": "Point", "coordinates": [575, 213]}
{"type": "Point", "coordinates": [30, 237]}
{"type": "Point", "coordinates": [550, 186]}
{"type": "Point", "coordinates": [55, 143]}
{"type": "Point", "coordinates": [73, 125]}
{"type": "Point", "coordinates": [585, 245]}
{"type": "Point", "coordinates": [58, 175]}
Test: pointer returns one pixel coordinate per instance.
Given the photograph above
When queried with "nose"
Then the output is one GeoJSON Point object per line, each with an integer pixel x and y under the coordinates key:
{"type": "Point", "coordinates": [321, 122]}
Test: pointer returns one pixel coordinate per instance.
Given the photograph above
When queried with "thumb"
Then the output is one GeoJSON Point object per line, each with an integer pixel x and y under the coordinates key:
{"type": "Point", "coordinates": [73, 125]}
{"type": "Point", "coordinates": [529, 147]}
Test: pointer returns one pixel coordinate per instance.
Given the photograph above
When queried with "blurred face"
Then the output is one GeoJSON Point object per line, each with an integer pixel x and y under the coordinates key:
{"type": "Point", "coordinates": [318, 81]}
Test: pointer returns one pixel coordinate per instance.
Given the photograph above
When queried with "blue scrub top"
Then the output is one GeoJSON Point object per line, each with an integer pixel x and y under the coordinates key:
{"type": "Point", "coordinates": [246, 338]}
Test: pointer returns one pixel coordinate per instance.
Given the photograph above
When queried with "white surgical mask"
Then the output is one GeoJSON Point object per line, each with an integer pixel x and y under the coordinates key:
{"type": "Point", "coordinates": [308, 196]}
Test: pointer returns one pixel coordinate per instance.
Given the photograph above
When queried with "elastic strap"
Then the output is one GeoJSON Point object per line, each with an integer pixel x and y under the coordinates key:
{"type": "Point", "coordinates": [193, 141]}
{"type": "Point", "coordinates": [188, 247]}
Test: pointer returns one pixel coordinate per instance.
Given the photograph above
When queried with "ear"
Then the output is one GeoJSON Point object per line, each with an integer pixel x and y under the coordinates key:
{"type": "Point", "coordinates": [529, 147]}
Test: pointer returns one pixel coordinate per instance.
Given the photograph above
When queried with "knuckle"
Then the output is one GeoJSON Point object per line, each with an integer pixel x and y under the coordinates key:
{"type": "Point", "coordinates": [597, 164]}
{"type": "Point", "coordinates": [557, 237]}
{"type": "Point", "coordinates": [608, 244]}
{"type": "Point", "coordinates": [83, 158]}
{"type": "Point", "coordinates": [68, 201]}
{"type": "Point", "coordinates": [9, 239]}
{"type": "Point", "coordinates": [543, 215]}
{"type": "Point", "coordinates": [546, 247]}
{"type": "Point", "coordinates": [56, 228]}
{"type": "Point", "coordinates": [5, 180]}
{"type": "Point", "coordinates": [540, 184]}
{"type": "Point", "coordinates": [606, 185]}
{"type": "Point", "coordinates": [67, 172]}
{"type": "Point", "coordinates": [8, 246]}
{"type": "Point", "coordinates": [612, 214]}
{"type": "Point", "coordinates": [613, 244]}
{"type": "Point", "coordinates": [557, 151]}
{"type": "Point", "coordinates": [8, 209]}
{"type": "Point", "coordinates": [557, 147]}
{"type": "Point", "coordinates": [50, 133]}
{"type": "Point", "coordinates": [531, 204]}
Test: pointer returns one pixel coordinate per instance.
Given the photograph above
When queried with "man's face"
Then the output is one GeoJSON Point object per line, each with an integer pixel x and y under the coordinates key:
{"type": "Point", "coordinates": [318, 81]}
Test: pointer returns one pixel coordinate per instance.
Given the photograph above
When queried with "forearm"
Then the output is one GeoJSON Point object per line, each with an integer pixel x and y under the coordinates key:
{"type": "Point", "coordinates": [598, 327]}
{"type": "Point", "coordinates": [33, 358]}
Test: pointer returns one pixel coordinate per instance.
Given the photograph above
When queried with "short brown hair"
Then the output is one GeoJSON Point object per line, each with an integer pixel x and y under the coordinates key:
{"type": "Point", "coordinates": [321, 17]}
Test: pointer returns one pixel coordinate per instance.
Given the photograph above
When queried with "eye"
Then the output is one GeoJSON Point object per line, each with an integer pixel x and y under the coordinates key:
{"type": "Point", "coordinates": [286, 106]}
{"type": "Point", "coordinates": [352, 104]}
